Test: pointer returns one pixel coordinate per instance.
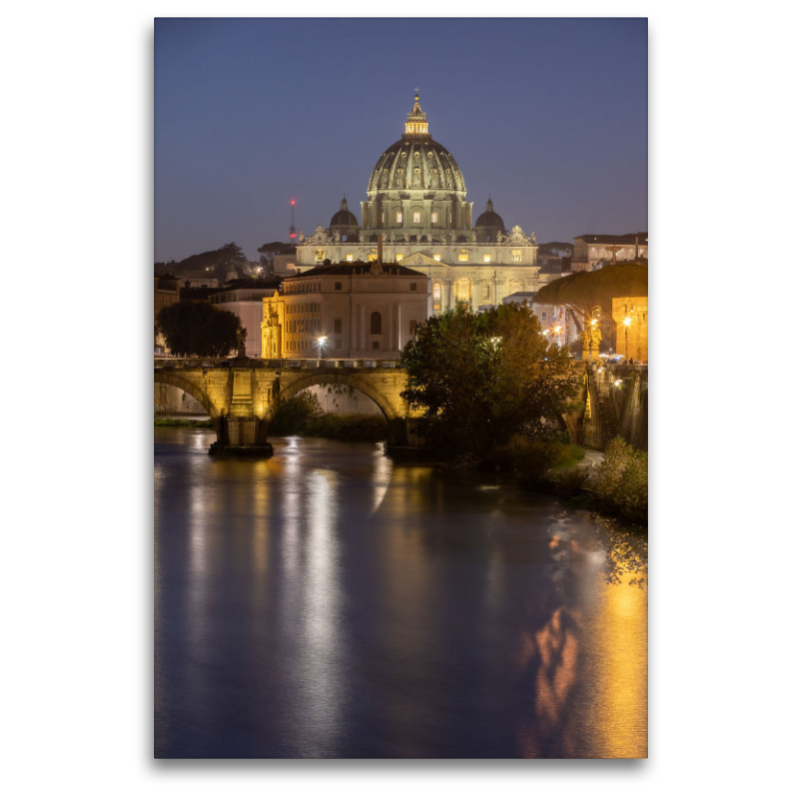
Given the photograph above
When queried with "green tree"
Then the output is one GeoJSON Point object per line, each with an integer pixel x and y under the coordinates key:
{"type": "Point", "coordinates": [199, 329]}
{"type": "Point", "coordinates": [482, 378]}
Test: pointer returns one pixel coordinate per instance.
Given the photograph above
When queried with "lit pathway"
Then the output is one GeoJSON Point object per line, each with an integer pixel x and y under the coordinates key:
{"type": "Point", "coordinates": [592, 460]}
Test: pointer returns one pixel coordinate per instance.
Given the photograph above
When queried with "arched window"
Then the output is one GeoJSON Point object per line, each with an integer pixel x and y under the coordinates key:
{"type": "Point", "coordinates": [375, 322]}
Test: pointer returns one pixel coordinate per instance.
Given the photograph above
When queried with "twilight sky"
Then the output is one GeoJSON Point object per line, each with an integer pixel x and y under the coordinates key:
{"type": "Point", "coordinates": [549, 116]}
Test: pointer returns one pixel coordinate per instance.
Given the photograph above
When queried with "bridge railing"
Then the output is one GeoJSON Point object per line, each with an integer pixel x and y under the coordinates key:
{"type": "Point", "coordinates": [278, 363]}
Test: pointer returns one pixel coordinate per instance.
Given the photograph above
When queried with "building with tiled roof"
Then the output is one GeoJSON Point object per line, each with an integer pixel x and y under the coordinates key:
{"type": "Point", "coordinates": [360, 311]}
{"type": "Point", "coordinates": [591, 249]}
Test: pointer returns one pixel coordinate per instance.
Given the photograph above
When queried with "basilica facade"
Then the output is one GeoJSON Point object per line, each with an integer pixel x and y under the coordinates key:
{"type": "Point", "coordinates": [416, 207]}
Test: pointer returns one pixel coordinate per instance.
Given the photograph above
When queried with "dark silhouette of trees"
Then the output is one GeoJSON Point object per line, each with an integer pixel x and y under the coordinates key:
{"type": "Point", "coordinates": [199, 329]}
{"type": "Point", "coordinates": [214, 263]}
{"type": "Point", "coordinates": [483, 378]}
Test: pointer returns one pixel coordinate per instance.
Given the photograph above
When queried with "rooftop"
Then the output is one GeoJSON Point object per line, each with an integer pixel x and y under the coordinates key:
{"type": "Point", "coordinates": [354, 269]}
{"type": "Point", "coordinates": [605, 238]}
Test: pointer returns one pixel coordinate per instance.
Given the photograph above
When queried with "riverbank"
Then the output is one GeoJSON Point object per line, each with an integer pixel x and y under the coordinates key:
{"type": "Point", "coordinates": [183, 422]}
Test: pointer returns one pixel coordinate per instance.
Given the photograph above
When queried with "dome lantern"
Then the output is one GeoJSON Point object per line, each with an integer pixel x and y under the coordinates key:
{"type": "Point", "coordinates": [417, 123]}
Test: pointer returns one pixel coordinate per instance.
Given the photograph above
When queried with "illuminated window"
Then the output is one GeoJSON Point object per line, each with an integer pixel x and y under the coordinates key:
{"type": "Point", "coordinates": [319, 255]}
{"type": "Point", "coordinates": [486, 259]}
{"type": "Point", "coordinates": [437, 292]}
{"type": "Point", "coordinates": [348, 257]}
{"type": "Point", "coordinates": [399, 216]}
{"type": "Point", "coordinates": [434, 216]}
{"type": "Point", "coordinates": [417, 216]}
{"type": "Point", "coordinates": [373, 256]}
{"type": "Point", "coordinates": [462, 291]}
{"type": "Point", "coordinates": [463, 256]}
{"type": "Point", "coordinates": [516, 256]}
{"type": "Point", "coordinates": [399, 257]}
{"type": "Point", "coordinates": [437, 257]}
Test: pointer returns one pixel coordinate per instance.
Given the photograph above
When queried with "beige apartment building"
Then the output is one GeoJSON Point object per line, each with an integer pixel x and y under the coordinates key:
{"type": "Point", "coordinates": [345, 311]}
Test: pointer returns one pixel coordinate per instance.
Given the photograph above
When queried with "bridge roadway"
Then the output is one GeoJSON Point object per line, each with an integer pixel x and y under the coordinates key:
{"type": "Point", "coordinates": [241, 396]}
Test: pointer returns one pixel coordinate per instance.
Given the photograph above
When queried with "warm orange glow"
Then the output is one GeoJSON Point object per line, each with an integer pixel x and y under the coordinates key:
{"type": "Point", "coordinates": [627, 321]}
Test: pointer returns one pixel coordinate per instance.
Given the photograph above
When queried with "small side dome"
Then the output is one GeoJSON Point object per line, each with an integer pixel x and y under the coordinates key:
{"type": "Point", "coordinates": [344, 218]}
{"type": "Point", "coordinates": [489, 224]}
{"type": "Point", "coordinates": [344, 224]}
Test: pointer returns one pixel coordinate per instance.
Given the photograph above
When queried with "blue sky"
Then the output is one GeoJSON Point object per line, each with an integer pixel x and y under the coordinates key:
{"type": "Point", "coordinates": [549, 116]}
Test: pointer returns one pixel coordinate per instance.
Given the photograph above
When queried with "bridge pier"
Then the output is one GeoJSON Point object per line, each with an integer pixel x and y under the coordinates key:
{"type": "Point", "coordinates": [241, 436]}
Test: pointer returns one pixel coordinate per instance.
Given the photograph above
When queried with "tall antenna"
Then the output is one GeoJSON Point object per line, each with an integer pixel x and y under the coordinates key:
{"type": "Point", "coordinates": [292, 230]}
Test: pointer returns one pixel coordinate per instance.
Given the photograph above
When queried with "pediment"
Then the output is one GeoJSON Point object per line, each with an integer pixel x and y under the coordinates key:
{"type": "Point", "coordinates": [420, 260]}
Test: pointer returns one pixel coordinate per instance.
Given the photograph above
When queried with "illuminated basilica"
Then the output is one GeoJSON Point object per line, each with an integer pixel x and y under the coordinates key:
{"type": "Point", "coordinates": [417, 203]}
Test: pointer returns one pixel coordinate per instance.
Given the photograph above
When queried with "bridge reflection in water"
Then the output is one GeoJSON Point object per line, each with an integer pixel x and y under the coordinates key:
{"type": "Point", "coordinates": [328, 603]}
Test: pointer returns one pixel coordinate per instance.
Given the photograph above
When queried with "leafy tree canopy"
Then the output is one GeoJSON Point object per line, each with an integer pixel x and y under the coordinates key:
{"type": "Point", "coordinates": [199, 329]}
{"type": "Point", "coordinates": [482, 378]}
{"type": "Point", "coordinates": [585, 290]}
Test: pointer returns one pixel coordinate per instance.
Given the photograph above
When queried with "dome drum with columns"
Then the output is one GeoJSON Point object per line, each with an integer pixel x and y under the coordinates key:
{"type": "Point", "coordinates": [416, 201]}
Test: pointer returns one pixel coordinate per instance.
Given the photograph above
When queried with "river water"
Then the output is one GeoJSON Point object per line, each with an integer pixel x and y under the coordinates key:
{"type": "Point", "coordinates": [330, 603]}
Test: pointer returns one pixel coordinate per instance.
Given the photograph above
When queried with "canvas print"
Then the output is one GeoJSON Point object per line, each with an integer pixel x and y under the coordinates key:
{"type": "Point", "coordinates": [401, 388]}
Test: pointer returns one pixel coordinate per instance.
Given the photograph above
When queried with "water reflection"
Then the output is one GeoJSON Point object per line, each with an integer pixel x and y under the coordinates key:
{"type": "Point", "coordinates": [330, 603]}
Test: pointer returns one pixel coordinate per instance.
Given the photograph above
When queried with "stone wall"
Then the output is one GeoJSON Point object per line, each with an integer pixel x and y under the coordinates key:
{"type": "Point", "coordinates": [335, 399]}
{"type": "Point", "coordinates": [171, 399]}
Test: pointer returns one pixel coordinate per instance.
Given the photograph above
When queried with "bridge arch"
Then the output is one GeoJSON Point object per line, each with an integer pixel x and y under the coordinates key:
{"type": "Point", "coordinates": [364, 386]}
{"type": "Point", "coordinates": [171, 378]}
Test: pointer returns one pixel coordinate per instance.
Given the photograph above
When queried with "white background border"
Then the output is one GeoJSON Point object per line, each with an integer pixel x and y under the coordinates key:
{"type": "Point", "coordinates": [77, 583]}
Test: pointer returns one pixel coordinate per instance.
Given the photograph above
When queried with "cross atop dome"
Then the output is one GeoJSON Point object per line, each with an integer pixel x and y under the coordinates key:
{"type": "Point", "coordinates": [417, 124]}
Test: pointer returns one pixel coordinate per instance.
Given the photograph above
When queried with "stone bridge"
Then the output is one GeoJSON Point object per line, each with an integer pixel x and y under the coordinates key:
{"type": "Point", "coordinates": [242, 395]}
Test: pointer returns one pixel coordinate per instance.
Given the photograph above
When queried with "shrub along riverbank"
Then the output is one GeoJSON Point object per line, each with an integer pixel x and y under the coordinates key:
{"type": "Point", "coordinates": [617, 487]}
{"type": "Point", "coordinates": [302, 415]}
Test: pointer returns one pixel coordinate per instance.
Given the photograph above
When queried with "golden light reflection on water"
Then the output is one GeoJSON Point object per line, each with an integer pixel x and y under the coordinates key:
{"type": "Point", "coordinates": [617, 657]}
{"type": "Point", "coordinates": [586, 667]}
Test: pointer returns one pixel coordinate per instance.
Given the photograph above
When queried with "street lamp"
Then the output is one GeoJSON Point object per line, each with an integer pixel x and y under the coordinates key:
{"type": "Point", "coordinates": [495, 341]}
{"type": "Point", "coordinates": [321, 343]}
{"type": "Point", "coordinates": [627, 323]}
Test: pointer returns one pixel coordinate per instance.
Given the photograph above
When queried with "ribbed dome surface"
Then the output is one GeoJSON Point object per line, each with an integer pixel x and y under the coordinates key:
{"type": "Point", "coordinates": [417, 163]}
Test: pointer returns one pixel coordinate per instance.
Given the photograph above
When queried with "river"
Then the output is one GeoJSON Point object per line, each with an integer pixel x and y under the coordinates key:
{"type": "Point", "coordinates": [330, 603]}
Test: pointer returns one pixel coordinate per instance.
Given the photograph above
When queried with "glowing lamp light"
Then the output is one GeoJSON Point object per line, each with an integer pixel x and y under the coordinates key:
{"type": "Point", "coordinates": [627, 321]}
{"type": "Point", "coordinates": [292, 202]}
{"type": "Point", "coordinates": [594, 322]}
{"type": "Point", "coordinates": [557, 329]}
